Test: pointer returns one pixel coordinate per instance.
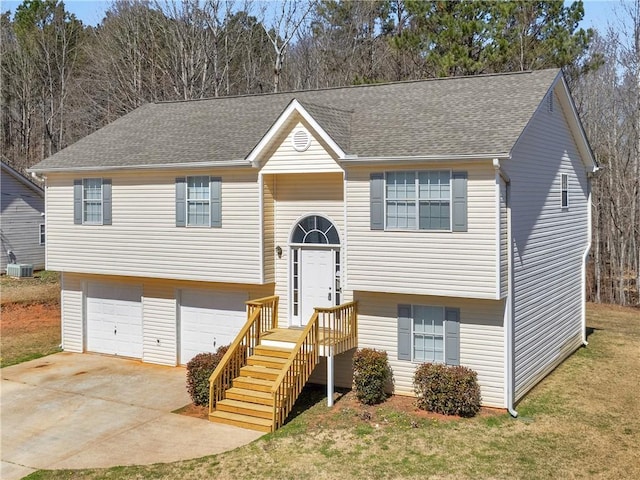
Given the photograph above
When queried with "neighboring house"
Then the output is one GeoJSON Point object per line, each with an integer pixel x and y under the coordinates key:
{"type": "Point", "coordinates": [455, 211]}
{"type": "Point", "coordinates": [22, 226]}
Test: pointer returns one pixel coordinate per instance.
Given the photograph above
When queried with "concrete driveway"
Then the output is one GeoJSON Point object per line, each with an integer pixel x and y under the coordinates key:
{"type": "Point", "coordinates": [83, 410]}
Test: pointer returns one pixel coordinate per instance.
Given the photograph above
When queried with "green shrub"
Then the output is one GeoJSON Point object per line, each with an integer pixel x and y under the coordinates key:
{"type": "Point", "coordinates": [371, 375]}
{"type": "Point", "coordinates": [447, 389]}
{"type": "Point", "coordinates": [199, 369]}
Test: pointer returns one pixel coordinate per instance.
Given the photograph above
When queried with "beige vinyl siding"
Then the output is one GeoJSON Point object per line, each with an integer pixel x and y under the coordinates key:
{"type": "Point", "coordinates": [144, 241]}
{"type": "Point", "coordinates": [548, 244]}
{"type": "Point", "coordinates": [342, 370]}
{"type": "Point", "coordinates": [268, 228]}
{"type": "Point", "coordinates": [283, 158]}
{"type": "Point", "coordinates": [424, 262]}
{"type": "Point", "coordinates": [481, 338]}
{"type": "Point", "coordinates": [72, 311]}
{"type": "Point", "coordinates": [296, 196]}
{"type": "Point", "coordinates": [21, 215]}
{"type": "Point", "coordinates": [159, 327]}
{"type": "Point", "coordinates": [504, 241]}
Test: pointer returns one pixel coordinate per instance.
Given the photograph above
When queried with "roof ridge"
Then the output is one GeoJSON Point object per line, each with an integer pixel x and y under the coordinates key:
{"type": "Point", "coordinates": [364, 85]}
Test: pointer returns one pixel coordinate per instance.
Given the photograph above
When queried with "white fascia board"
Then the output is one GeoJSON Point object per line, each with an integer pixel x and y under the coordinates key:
{"type": "Point", "coordinates": [575, 125]}
{"type": "Point", "coordinates": [294, 107]}
{"type": "Point", "coordinates": [225, 164]}
{"type": "Point", "coordinates": [480, 157]}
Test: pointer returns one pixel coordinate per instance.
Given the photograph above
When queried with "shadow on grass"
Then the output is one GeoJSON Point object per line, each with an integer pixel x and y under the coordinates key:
{"type": "Point", "coordinates": [591, 330]}
{"type": "Point", "coordinates": [313, 395]}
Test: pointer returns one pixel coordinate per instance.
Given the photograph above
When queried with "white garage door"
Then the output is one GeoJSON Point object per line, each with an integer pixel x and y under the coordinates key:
{"type": "Point", "coordinates": [114, 319]}
{"type": "Point", "coordinates": [208, 320]}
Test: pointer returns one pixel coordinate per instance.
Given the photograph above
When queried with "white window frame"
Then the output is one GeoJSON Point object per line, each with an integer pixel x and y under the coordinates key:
{"type": "Point", "coordinates": [206, 201]}
{"type": "Point", "coordinates": [417, 199]}
{"type": "Point", "coordinates": [42, 237]}
{"type": "Point", "coordinates": [85, 201]}
{"type": "Point", "coordinates": [564, 190]}
{"type": "Point", "coordinates": [414, 333]}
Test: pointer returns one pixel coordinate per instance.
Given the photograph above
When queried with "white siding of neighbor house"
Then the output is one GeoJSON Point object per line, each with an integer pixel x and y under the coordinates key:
{"type": "Point", "coordinates": [283, 158]}
{"type": "Point", "coordinates": [548, 245]}
{"type": "Point", "coordinates": [457, 264]}
{"type": "Point", "coordinates": [160, 304]}
{"type": "Point", "coordinates": [20, 218]}
{"type": "Point", "coordinates": [296, 196]}
{"type": "Point", "coordinates": [481, 338]}
{"type": "Point", "coordinates": [72, 311]}
{"type": "Point", "coordinates": [143, 239]}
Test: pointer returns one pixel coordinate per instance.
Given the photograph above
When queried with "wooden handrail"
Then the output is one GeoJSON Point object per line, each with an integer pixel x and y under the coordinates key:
{"type": "Point", "coordinates": [262, 316]}
{"type": "Point", "coordinates": [339, 325]}
{"type": "Point", "coordinates": [295, 373]}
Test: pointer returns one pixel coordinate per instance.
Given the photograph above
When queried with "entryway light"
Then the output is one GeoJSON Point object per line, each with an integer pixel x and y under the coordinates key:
{"type": "Point", "coordinates": [279, 251]}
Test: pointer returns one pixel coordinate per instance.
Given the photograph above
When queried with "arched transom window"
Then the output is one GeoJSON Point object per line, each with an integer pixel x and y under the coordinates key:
{"type": "Point", "coordinates": [315, 229]}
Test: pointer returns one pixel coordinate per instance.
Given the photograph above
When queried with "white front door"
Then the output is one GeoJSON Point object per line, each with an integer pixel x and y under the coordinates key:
{"type": "Point", "coordinates": [317, 279]}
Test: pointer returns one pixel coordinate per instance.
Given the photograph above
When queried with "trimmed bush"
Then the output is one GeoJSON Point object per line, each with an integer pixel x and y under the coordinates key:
{"type": "Point", "coordinates": [199, 369]}
{"type": "Point", "coordinates": [447, 389]}
{"type": "Point", "coordinates": [371, 375]}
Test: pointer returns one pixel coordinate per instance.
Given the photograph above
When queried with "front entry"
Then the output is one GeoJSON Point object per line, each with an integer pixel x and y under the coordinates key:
{"type": "Point", "coordinates": [315, 269]}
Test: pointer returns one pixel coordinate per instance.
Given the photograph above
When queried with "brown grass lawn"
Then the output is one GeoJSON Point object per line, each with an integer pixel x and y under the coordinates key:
{"type": "Point", "coordinates": [29, 317]}
{"type": "Point", "coordinates": [582, 421]}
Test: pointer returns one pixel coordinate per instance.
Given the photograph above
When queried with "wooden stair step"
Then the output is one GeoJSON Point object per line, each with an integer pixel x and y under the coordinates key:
{"type": "Point", "coordinates": [269, 351]}
{"type": "Point", "coordinates": [248, 395]}
{"type": "Point", "coordinates": [263, 361]}
{"type": "Point", "coordinates": [245, 408]}
{"type": "Point", "coordinates": [242, 421]}
{"type": "Point", "coordinates": [257, 371]}
{"type": "Point", "coordinates": [255, 384]}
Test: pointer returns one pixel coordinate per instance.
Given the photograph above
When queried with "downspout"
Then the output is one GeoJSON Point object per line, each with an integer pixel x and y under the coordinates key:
{"type": "Point", "coordinates": [585, 258]}
{"type": "Point", "coordinates": [508, 317]}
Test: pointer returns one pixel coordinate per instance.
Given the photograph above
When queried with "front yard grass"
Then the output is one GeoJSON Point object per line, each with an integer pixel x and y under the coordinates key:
{"type": "Point", "coordinates": [582, 421]}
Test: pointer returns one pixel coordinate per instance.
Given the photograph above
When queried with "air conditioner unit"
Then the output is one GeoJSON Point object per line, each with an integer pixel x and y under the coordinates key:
{"type": "Point", "coordinates": [20, 270]}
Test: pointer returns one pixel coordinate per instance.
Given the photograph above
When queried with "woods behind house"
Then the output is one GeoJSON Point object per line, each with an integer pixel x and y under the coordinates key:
{"type": "Point", "coordinates": [62, 80]}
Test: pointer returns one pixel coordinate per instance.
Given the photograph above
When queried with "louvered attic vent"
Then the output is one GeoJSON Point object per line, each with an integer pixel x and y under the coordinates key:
{"type": "Point", "coordinates": [301, 140]}
{"type": "Point", "coordinates": [20, 270]}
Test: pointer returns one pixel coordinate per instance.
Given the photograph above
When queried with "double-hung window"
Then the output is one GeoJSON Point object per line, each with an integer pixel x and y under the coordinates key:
{"type": "Point", "coordinates": [42, 234]}
{"type": "Point", "coordinates": [418, 200]}
{"type": "Point", "coordinates": [429, 333]}
{"type": "Point", "coordinates": [92, 201]}
{"type": "Point", "coordinates": [198, 201]}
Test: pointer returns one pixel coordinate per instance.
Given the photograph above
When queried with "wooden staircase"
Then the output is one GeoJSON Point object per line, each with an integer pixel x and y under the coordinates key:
{"type": "Point", "coordinates": [249, 403]}
{"type": "Point", "coordinates": [261, 375]}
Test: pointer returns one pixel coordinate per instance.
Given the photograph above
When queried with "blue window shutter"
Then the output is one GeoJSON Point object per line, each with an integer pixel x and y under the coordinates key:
{"type": "Point", "coordinates": [452, 336]}
{"type": "Point", "coordinates": [376, 194]}
{"type": "Point", "coordinates": [459, 210]}
{"type": "Point", "coordinates": [106, 201]}
{"type": "Point", "coordinates": [77, 201]}
{"type": "Point", "coordinates": [404, 332]}
{"type": "Point", "coordinates": [215, 192]}
{"type": "Point", "coordinates": [181, 202]}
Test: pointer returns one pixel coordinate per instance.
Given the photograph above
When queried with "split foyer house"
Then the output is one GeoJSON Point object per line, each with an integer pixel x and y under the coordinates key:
{"type": "Point", "coordinates": [443, 220]}
{"type": "Point", "coordinates": [22, 232]}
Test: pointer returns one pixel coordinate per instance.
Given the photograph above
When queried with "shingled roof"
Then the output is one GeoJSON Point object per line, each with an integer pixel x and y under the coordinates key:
{"type": "Point", "coordinates": [479, 115]}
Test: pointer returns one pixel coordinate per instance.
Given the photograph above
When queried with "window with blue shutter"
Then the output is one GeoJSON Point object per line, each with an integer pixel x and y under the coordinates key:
{"type": "Point", "coordinates": [199, 201]}
{"type": "Point", "coordinates": [429, 334]}
{"type": "Point", "coordinates": [92, 201]}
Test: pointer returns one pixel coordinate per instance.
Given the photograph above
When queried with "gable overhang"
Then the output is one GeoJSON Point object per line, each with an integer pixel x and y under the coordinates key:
{"type": "Point", "coordinates": [292, 109]}
{"type": "Point", "coordinates": [560, 87]}
{"type": "Point", "coordinates": [21, 178]}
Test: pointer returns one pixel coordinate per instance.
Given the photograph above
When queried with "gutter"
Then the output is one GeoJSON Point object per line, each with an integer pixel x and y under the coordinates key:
{"type": "Point", "coordinates": [479, 157]}
{"type": "Point", "coordinates": [225, 164]}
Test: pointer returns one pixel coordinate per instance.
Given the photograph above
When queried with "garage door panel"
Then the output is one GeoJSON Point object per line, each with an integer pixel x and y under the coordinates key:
{"type": "Point", "coordinates": [114, 319]}
{"type": "Point", "coordinates": [208, 320]}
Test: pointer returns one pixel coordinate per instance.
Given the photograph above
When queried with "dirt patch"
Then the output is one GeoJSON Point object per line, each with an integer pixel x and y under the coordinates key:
{"type": "Point", "coordinates": [194, 411]}
{"type": "Point", "coordinates": [28, 331]}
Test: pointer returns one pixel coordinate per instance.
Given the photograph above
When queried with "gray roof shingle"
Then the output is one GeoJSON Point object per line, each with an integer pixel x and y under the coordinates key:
{"type": "Point", "coordinates": [449, 116]}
